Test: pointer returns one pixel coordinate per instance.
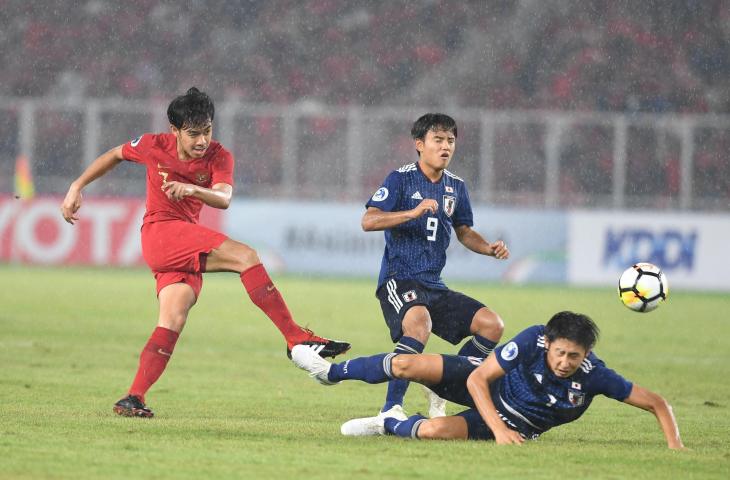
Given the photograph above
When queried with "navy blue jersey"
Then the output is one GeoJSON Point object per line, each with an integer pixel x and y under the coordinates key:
{"type": "Point", "coordinates": [532, 399]}
{"type": "Point", "coordinates": [417, 249]}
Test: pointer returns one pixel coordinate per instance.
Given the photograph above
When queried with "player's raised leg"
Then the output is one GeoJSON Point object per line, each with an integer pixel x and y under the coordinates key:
{"type": "Point", "coordinates": [383, 367]}
{"type": "Point", "coordinates": [176, 300]}
{"type": "Point", "coordinates": [426, 369]}
{"type": "Point", "coordinates": [233, 256]}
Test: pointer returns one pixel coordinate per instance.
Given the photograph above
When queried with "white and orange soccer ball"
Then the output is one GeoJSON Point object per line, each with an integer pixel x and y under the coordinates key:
{"type": "Point", "coordinates": [643, 287]}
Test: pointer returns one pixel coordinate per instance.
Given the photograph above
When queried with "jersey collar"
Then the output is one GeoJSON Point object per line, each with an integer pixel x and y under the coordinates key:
{"type": "Point", "coordinates": [440, 180]}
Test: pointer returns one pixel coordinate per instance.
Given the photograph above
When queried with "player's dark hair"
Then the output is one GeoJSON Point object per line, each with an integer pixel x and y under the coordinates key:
{"type": "Point", "coordinates": [572, 326]}
{"type": "Point", "coordinates": [438, 122]}
{"type": "Point", "coordinates": [194, 109]}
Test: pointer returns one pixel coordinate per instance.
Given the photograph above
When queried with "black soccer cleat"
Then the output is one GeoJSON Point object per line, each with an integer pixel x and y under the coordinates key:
{"type": "Point", "coordinates": [131, 406]}
{"type": "Point", "coordinates": [331, 348]}
{"type": "Point", "coordinates": [323, 346]}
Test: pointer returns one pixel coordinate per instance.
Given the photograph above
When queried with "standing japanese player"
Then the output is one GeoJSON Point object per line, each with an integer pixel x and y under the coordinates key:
{"type": "Point", "coordinates": [418, 206]}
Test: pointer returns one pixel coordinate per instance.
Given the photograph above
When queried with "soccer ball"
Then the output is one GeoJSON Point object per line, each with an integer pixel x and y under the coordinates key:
{"type": "Point", "coordinates": [643, 287]}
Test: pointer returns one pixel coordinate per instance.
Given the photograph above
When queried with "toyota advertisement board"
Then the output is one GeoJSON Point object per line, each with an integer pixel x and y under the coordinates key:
{"type": "Point", "coordinates": [107, 233]}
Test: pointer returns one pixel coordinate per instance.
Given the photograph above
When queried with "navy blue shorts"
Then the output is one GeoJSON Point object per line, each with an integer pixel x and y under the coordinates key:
{"type": "Point", "coordinates": [451, 312]}
{"type": "Point", "coordinates": [453, 388]}
{"type": "Point", "coordinates": [478, 429]}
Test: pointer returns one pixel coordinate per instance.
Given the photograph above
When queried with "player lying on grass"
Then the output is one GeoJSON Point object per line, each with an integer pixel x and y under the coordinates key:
{"type": "Point", "coordinates": [186, 169]}
{"type": "Point", "coordinates": [544, 377]}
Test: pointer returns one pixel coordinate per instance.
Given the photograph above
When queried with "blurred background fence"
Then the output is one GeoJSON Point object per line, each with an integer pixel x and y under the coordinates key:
{"type": "Point", "coordinates": [512, 158]}
{"type": "Point", "coordinates": [592, 133]}
{"type": "Point", "coordinates": [588, 103]}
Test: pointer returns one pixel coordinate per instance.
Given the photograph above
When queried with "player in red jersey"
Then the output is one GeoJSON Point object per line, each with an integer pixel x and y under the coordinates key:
{"type": "Point", "coordinates": [186, 169]}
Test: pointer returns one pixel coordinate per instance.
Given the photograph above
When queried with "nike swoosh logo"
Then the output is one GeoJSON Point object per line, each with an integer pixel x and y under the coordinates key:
{"type": "Point", "coordinates": [162, 352]}
{"type": "Point", "coordinates": [270, 287]}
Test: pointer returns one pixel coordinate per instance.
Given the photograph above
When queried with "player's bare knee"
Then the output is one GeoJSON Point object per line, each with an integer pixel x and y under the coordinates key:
{"type": "Point", "coordinates": [248, 257]}
{"type": "Point", "coordinates": [238, 256]}
{"type": "Point", "coordinates": [421, 334]}
{"type": "Point", "coordinates": [430, 430]}
{"type": "Point", "coordinates": [401, 365]}
{"type": "Point", "coordinates": [174, 322]}
{"type": "Point", "coordinates": [495, 326]}
{"type": "Point", "coordinates": [488, 324]}
{"type": "Point", "coordinates": [417, 326]}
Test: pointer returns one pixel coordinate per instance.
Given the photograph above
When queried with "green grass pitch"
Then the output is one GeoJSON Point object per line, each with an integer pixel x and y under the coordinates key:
{"type": "Point", "coordinates": [230, 404]}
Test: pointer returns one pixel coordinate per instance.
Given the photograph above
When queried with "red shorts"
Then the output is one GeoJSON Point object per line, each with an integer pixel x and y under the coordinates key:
{"type": "Point", "coordinates": [176, 251]}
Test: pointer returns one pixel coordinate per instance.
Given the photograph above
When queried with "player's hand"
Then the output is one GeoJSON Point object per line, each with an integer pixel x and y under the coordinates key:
{"type": "Point", "coordinates": [71, 205]}
{"type": "Point", "coordinates": [507, 436]}
{"type": "Point", "coordinates": [176, 191]}
{"type": "Point", "coordinates": [499, 250]}
{"type": "Point", "coordinates": [426, 206]}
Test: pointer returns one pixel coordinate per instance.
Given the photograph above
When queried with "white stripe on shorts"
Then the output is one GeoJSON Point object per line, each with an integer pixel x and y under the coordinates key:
{"type": "Point", "coordinates": [393, 295]}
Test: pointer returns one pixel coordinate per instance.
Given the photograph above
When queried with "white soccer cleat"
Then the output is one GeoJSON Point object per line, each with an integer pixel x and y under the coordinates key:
{"type": "Point", "coordinates": [436, 404]}
{"type": "Point", "coordinates": [370, 426]}
{"type": "Point", "coordinates": [307, 358]}
{"type": "Point", "coordinates": [363, 427]}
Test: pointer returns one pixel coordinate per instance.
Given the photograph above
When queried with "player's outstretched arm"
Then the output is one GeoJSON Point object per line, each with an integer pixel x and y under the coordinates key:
{"type": "Point", "coordinates": [376, 219]}
{"type": "Point", "coordinates": [478, 386]}
{"type": "Point", "coordinates": [217, 196]}
{"type": "Point", "coordinates": [105, 162]}
{"type": "Point", "coordinates": [655, 403]}
{"type": "Point", "coordinates": [472, 240]}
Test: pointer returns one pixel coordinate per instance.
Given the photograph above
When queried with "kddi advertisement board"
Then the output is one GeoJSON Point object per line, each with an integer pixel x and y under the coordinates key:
{"type": "Point", "coordinates": [690, 248]}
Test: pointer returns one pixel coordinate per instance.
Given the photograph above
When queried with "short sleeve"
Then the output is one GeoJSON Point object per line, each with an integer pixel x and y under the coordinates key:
{"type": "Point", "coordinates": [134, 150]}
{"type": "Point", "coordinates": [463, 214]}
{"type": "Point", "coordinates": [386, 197]}
{"type": "Point", "coordinates": [222, 168]}
{"type": "Point", "coordinates": [521, 348]}
{"type": "Point", "coordinates": [604, 381]}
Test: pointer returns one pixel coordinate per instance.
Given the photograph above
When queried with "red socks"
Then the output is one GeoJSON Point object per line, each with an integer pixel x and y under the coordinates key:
{"type": "Point", "coordinates": [153, 360]}
{"type": "Point", "coordinates": [265, 295]}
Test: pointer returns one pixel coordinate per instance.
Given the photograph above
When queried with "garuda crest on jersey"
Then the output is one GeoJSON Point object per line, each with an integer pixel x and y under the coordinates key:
{"type": "Point", "coordinates": [201, 177]}
{"type": "Point", "coordinates": [449, 204]}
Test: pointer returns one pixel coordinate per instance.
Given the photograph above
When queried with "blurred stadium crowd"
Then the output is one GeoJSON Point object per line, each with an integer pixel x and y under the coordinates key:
{"type": "Point", "coordinates": [667, 56]}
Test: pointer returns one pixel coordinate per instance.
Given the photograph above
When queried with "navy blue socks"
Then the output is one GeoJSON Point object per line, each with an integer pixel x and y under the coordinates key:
{"type": "Point", "coordinates": [404, 428]}
{"type": "Point", "coordinates": [477, 346]}
{"type": "Point", "coordinates": [397, 388]}
{"type": "Point", "coordinates": [374, 369]}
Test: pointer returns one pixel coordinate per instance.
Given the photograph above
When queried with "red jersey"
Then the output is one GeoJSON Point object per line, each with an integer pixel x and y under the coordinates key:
{"type": "Point", "coordinates": [158, 152]}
